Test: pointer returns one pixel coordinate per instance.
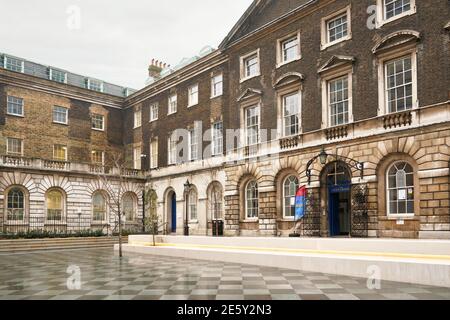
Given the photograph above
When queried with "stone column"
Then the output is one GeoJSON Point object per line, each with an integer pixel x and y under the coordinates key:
{"type": "Point", "coordinates": [231, 215]}
{"type": "Point", "coordinates": [267, 213]}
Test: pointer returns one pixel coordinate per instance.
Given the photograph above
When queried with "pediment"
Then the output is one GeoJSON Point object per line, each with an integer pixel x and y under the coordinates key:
{"type": "Point", "coordinates": [288, 78]}
{"type": "Point", "coordinates": [336, 61]}
{"type": "Point", "coordinates": [249, 93]}
{"type": "Point", "coordinates": [259, 14]}
{"type": "Point", "coordinates": [395, 39]}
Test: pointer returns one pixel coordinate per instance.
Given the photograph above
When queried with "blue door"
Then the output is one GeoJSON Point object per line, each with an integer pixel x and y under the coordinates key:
{"type": "Point", "coordinates": [333, 209]}
{"type": "Point", "coordinates": [174, 212]}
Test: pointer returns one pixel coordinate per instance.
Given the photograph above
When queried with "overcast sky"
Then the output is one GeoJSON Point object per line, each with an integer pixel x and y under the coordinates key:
{"type": "Point", "coordinates": [114, 40]}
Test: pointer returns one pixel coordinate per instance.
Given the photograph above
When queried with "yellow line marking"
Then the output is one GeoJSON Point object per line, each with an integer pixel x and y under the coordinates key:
{"type": "Point", "coordinates": [287, 250]}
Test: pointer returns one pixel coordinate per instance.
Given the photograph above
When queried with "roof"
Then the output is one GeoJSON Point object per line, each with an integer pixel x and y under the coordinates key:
{"type": "Point", "coordinates": [61, 76]}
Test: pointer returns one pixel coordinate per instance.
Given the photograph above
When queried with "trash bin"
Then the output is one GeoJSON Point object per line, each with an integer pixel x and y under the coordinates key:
{"type": "Point", "coordinates": [217, 228]}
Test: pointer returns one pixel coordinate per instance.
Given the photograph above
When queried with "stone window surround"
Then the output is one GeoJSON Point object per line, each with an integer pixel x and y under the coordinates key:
{"type": "Point", "coordinates": [26, 202]}
{"type": "Point", "coordinates": [242, 59]}
{"type": "Point", "coordinates": [134, 203]}
{"type": "Point", "coordinates": [393, 54]}
{"type": "Point", "coordinates": [106, 199]}
{"type": "Point", "coordinates": [280, 41]}
{"type": "Point", "coordinates": [64, 206]}
{"type": "Point", "coordinates": [279, 184]}
{"type": "Point", "coordinates": [324, 27]}
{"type": "Point", "coordinates": [254, 101]}
{"type": "Point", "coordinates": [243, 199]}
{"type": "Point", "coordinates": [280, 93]}
{"type": "Point", "coordinates": [380, 20]}
{"type": "Point", "coordinates": [382, 170]}
{"type": "Point", "coordinates": [187, 204]}
{"type": "Point", "coordinates": [326, 77]}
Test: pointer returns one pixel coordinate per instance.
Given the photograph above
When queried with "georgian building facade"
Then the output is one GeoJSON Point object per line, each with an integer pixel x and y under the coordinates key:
{"type": "Point", "coordinates": [350, 99]}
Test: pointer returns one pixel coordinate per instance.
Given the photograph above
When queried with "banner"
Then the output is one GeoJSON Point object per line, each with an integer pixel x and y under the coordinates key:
{"type": "Point", "coordinates": [300, 201]}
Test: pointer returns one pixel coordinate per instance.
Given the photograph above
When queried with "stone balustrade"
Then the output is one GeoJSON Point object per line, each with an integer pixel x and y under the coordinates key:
{"type": "Point", "coordinates": [64, 166]}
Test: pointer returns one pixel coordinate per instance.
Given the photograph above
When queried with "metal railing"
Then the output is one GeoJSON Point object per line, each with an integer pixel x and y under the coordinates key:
{"type": "Point", "coordinates": [55, 226]}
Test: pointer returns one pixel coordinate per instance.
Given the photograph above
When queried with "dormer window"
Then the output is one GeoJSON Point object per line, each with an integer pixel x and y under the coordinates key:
{"type": "Point", "coordinates": [13, 64]}
{"type": "Point", "coordinates": [57, 75]}
{"type": "Point", "coordinates": [94, 85]}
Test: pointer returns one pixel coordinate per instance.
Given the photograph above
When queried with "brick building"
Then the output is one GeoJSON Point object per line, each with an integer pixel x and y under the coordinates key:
{"type": "Point", "coordinates": [348, 98]}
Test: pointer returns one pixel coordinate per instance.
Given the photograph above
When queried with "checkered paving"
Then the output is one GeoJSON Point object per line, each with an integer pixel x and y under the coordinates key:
{"type": "Point", "coordinates": [44, 276]}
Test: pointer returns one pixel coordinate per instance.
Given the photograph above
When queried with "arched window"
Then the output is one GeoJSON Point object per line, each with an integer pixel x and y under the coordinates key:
{"type": "Point", "coordinates": [99, 206]}
{"type": "Point", "coordinates": [55, 205]}
{"type": "Point", "coordinates": [251, 200]}
{"type": "Point", "coordinates": [192, 204]}
{"type": "Point", "coordinates": [15, 208]}
{"type": "Point", "coordinates": [400, 189]}
{"type": "Point", "coordinates": [129, 206]}
{"type": "Point", "coordinates": [290, 187]}
{"type": "Point", "coordinates": [215, 202]}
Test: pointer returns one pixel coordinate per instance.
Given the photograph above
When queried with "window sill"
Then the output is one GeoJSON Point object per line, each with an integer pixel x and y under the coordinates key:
{"type": "Point", "coordinates": [169, 114]}
{"type": "Point", "coordinates": [282, 64]}
{"type": "Point", "coordinates": [192, 105]}
{"type": "Point", "coordinates": [61, 123]}
{"type": "Point", "coordinates": [250, 77]}
{"type": "Point", "coordinates": [99, 130]}
{"type": "Point", "coordinates": [391, 217]}
{"type": "Point", "coordinates": [217, 96]}
{"type": "Point", "coordinates": [136, 127]}
{"type": "Point", "coordinates": [154, 120]}
{"type": "Point", "coordinates": [16, 115]}
{"type": "Point", "coordinates": [331, 44]}
{"type": "Point", "coordinates": [193, 222]}
{"type": "Point", "coordinates": [250, 220]}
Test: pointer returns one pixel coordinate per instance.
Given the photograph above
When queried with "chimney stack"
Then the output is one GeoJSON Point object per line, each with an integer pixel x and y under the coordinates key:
{"type": "Point", "coordinates": [155, 68]}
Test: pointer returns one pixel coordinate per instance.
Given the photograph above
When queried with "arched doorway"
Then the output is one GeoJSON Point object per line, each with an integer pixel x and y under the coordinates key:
{"type": "Point", "coordinates": [171, 211]}
{"type": "Point", "coordinates": [337, 184]}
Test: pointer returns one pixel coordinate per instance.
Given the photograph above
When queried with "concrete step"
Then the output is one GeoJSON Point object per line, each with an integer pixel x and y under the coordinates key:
{"type": "Point", "coordinates": [424, 262]}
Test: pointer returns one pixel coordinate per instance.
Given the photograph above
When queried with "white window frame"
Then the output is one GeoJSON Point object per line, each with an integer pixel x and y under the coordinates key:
{"type": "Point", "coordinates": [325, 42]}
{"type": "Point", "coordinates": [154, 153]}
{"type": "Point", "coordinates": [280, 51]}
{"type": "Point", "coordinates": [285, 217]}
{"type": "Point", "coordinates": [5, 64]}
{"type": "Point", "coordinates": [67, 115]}
{"type": "Point", "coordinates": [22, 106]}
{"type": "Point", "coordinates": [193, 95]}
{"type": "Point", "coordinates": [173, 97]}
{"type": "Point", "coordinates": [89, 84]}
{"type": "Point", "coordinates": [172, 154]}
{"type": "Point", "coordinates": [339, 73]}
{"type": "Point", "coordinates": [137, 157]}
{"type": "Point", "coordinates": [192, 195]}
{"type": "Point", "coordinates": [216, 140]}
{"type": "Point", "coordinates": [8, 147]}
{"type": "Point", "coordinates": [258, 107]}
{"type": "Point", "coordinates": [381, 14]}
{"type": "Point", "coordinates": [103, 122]}
{"type": "Point", "coordinates": [329, 82]}
{"type": "Point", "coordinates": [193, 144]}
{"type": "Point", "coordinates": [50, 75]}
{"type": "Point", "coordinates": [243, 67]}
{"type": "Point", "coordinates": [154, 114]}
{"type": "Point", "coordinates": [63, 147]}
{"type": "Point", "coordinates": [214, 91]}
{"type": "Point", "coordinates": [281, 111]}
{"type": "Point", "coordinates": [102, 156]}
{"type": "Point", "coordinates": [247, 217]}
{"type": "Point", "coordinates": [382, 93]}
{"type": "Point", "coordinates": [137, 119]}
{"type": "Point", "coordinates": [387, 189]}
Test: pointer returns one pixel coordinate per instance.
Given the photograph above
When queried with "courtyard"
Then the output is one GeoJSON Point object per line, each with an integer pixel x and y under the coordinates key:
{"type": "Point", "coordinates": [103, 276]}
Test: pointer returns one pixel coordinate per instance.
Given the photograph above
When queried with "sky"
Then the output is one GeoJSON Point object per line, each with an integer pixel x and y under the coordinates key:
{"type": "Point", "coordinates": [114, 40]}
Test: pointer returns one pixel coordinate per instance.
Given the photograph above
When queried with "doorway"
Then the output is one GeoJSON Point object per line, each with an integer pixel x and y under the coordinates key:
{"type": "Point", "coordinates": [173, 210]}
{"type": "Point", "coordinates": [338, 183]}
